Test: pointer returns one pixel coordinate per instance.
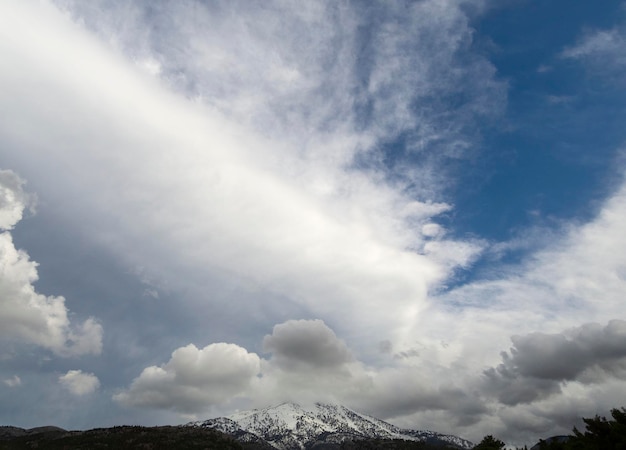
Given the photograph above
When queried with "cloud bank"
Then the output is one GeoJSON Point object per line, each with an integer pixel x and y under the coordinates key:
{"type": "Point", "coordinates": [538, 379]}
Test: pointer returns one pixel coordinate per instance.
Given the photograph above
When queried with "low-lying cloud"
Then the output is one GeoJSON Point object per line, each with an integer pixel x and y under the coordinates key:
{"type": "Point", "coordinates": [193, 379]}
{"type": "Point", "coordinates": [532, 386]}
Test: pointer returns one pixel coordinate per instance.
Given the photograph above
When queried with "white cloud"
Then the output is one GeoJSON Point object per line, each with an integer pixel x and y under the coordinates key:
{"type": "Point", "coordinates": [79, 383]}
{"type": "Point", "coordinates": [270, 192]}
{"type": "Point", "coordinates": [13, 199]}
{"type": "Point", "coordinates": [194, 379]}
{"type": "Point", "coordinates": [305, 69]}
{"type": "Point", "coordinates": [12, 382]}
{"type": "Point", "coordinates": [26, 315]}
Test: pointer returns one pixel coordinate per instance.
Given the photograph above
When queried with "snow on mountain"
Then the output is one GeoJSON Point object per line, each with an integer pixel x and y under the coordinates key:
{"type": "Point", "coordinates": [230, 427]}
{"type": "Point", "coordinates": [290, 426]}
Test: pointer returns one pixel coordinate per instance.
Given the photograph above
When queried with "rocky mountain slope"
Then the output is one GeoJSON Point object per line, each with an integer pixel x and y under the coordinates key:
{"type": "Point", "coordinates": [290, 426]}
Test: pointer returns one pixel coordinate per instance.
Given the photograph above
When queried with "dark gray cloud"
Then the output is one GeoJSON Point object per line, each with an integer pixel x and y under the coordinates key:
{"type": "Point", "coordinates": [309, 343]}
{"type": "Point", "coordinates": [566, 356]}
{"type": "Point", "coordinates": [538, 363]}
{"type": "Point", "coordinates": [511, 388]}
{"type": "Point", "coordinates": [397, 394]}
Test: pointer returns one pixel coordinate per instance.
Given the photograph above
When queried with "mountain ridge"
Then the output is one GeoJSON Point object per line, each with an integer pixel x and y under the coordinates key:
{"type": "Point", "coordinates": [290, 426]}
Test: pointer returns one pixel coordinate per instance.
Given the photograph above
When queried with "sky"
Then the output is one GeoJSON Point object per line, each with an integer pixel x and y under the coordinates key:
{"type": "Point", "coordinates": [415, 209]}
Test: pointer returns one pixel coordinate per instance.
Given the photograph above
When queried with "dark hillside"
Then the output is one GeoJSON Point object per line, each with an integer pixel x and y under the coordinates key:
{"type": "Point", "coordinates": [123, 437]}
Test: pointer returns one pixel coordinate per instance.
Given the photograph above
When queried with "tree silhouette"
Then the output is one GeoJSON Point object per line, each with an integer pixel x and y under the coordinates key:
{"type": "Point", "coordinates": [601, 434]}
{"type": "Point", "coordinates": [490, 443]}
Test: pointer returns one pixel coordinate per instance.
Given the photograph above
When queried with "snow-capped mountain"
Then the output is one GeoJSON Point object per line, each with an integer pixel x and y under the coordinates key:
{"type": "Point", "coordinates": [289, 426]}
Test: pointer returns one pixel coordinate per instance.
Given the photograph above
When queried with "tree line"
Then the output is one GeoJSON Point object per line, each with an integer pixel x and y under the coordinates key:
{"type": "Point", "coordinates": [600, 434]}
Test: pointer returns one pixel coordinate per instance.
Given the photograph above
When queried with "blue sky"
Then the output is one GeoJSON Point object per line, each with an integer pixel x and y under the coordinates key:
{"type": "Point", "coordinates": [414, 209]}
{"type": "Point", "coordinates": [553, 151]}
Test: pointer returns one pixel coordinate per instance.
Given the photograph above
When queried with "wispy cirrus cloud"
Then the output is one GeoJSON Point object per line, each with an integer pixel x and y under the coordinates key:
{"type": "Point", "coordinates": [601, 51]}
{"type": "Point", "coordinates": [599, 44]}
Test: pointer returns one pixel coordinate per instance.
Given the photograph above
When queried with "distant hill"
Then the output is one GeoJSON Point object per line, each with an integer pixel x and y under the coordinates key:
{"type": "Point", "coordinates": [125, 437]}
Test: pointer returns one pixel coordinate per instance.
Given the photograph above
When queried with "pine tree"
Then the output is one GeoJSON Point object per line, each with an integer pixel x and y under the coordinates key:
{"type": "Point", "coordinates": [601, 434]}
